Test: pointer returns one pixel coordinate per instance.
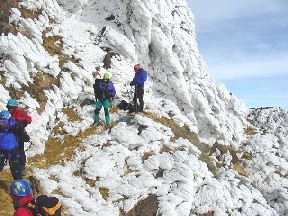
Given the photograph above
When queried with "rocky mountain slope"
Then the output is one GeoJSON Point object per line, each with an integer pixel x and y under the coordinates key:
{"type": "Point", "coordinates": [195, 150]}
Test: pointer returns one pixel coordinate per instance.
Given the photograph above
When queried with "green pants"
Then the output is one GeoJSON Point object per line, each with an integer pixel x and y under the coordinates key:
{"type": "Point", "coordinates": [106, 104]}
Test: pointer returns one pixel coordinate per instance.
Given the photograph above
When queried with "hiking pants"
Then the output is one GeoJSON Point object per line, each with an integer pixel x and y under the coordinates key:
{"type": "Point", "coordinates": [2, 160]}
{"type": "Point", "coordinates": [24, 137]}
{"type": "Point", "coordinates": [139, 94]}
{"type": "Point", "coordinates": [106, 104]}
{"type": "Point", "coordinates": [14, 163]}
{"type": "Point", "coordinates": [22, 153]}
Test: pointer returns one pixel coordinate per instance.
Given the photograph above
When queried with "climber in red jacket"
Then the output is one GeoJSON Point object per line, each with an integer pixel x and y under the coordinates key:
{"type": "Point", "coordinates": [21, 194]}
{"type": "Point", "coordinates": [22, 120]}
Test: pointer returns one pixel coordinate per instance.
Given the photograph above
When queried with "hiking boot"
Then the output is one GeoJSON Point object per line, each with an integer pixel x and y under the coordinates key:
{"type": "Point", "coordinates": [96, 123]}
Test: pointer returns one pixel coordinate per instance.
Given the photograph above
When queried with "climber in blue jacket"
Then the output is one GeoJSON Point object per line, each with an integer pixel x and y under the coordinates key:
{"type": "Point", "coordinates": [139, 79]}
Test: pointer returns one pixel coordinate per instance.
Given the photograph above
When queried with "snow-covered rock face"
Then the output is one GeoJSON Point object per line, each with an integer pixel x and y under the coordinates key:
{"type": "Point", "coordinates": [273, 120]}
{"type": "Point", "coordinates": [129, 162]}
{"type": "Point", "coordinates": [160, 35]}
{"type": "Point", "coordinates": [268, 167]}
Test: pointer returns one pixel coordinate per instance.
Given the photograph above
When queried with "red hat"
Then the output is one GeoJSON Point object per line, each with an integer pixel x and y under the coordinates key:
{"type": "Point", "coordinates": [136, 67]}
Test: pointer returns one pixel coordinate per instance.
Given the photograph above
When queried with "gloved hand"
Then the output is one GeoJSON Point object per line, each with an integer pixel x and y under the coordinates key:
{"type": "Point", "coordinates": [132, 83]}
{"type": "Point", "coordinates": [2, 125]}
{"type": "Point", "coordinates": [109, 95]}
{"type": "Point", "coordinates": [24, 123]}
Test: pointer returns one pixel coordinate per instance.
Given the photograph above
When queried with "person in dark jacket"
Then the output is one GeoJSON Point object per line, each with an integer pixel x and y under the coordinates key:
{"type": "Point", "coordinates": [9, 145]}
{"type": "Point", "coordinates": [21, 194]}
{"type": "Point", "coordinates": [138, 81]}
{"type": "Point", "coordinates": [22, 120]}
{"type": "Point", "coordinates": [104, 92]}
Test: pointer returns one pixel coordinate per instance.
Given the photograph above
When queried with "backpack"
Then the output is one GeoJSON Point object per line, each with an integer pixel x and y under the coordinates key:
{"type": "Point", "coordinates": [8, 140]}
{"type": "Point", "coordinates": [21, 116]}
{"type": "Point", "coordinates": [97, 89]}
{"type": "Point", "coordinates": [45, 206]}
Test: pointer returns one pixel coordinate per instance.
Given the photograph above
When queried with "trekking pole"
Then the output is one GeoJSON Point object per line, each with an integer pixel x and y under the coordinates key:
{"type": "Point", "coordinates": [34, 185]}
{"type": "Point", "coordinates": [136, 98]}
{"type": "Point", "coordinates": [130, 93]}
{"type": "Point", "coordinates": [30, 144]}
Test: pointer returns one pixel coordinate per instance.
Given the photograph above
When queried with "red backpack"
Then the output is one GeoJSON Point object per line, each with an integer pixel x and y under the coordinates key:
{"type": "Point", "coordinates": [20, 115]}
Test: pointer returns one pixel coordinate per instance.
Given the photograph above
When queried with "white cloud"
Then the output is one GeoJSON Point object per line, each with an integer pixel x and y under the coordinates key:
{"type": "Point", "coordinates": [245, 41]}
{"type": "Point", "coordinates": [261, 92]}
{"type": "Point", "coordinates": [209, 12]}
{"type": "Point", "coordinates": [258, 66]}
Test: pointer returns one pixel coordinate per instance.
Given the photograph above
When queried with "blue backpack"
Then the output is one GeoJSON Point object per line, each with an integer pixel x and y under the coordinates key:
{"type": "Point", "coordinates": [8, 140]}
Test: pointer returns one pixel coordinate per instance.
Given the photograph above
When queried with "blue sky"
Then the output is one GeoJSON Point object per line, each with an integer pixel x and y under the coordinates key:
{"type": "Point", "coordinates": [245, 45]}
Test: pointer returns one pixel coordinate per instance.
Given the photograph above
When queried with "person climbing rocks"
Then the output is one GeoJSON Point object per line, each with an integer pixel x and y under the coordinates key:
{"type": "Point", "coordinates": [9, 146]}
{"type": "Point", "coordinates": [104, 91]}
{"type": "Point", "coordinates": [107, 58]}
{"type": "Point", "coordinates": [21, 194]}
{"type": "Point", "coordinates": [26, 204]}
{"type": "Point", "coordinates": [138, 81]}
{"type": "Point", "coordinates": [22, 120]}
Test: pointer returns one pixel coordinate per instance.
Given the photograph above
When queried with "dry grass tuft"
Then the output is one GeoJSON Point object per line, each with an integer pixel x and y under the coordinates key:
{"type": "Point", "coordinates": [53, 44]}
{"type": "Point", "coordinates": [183, 132]}
{"type": "Point", "coordinates": [104, 192]}
{"type": "Point", "coordinates": [128, 171]}
{"type": "Point", "coordinates": [146, 155]}
{"type": "Point", "coordinates": [240, 169]}
{"type": "Point", "coordinates": [5, 198]}
{"type": "Point", "coordinates": [72, 115]}
{"type": "Point", "coordinates": [5, 26]}
{"type": "Point", "coordinates": [247, 155]}
{"type": "Point", "coordinates": [224, 149]}
{"type": "Point", "coordinates": [250, 131]}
